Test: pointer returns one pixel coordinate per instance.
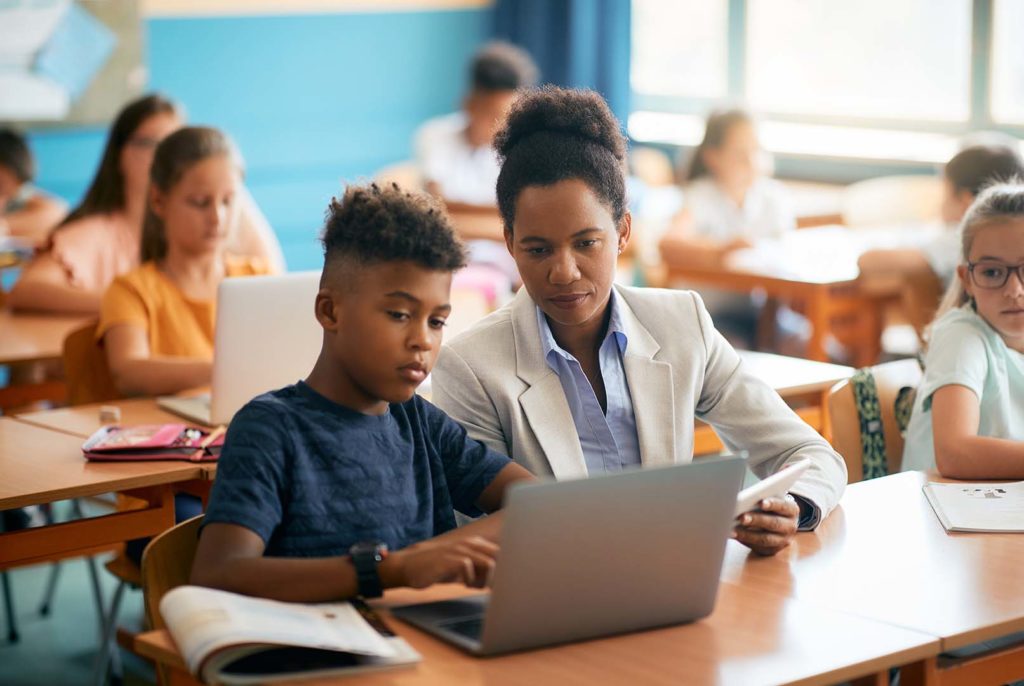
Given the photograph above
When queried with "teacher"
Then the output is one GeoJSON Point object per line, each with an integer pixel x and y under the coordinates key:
{"type": "Point", "coordinates": [578, 376]}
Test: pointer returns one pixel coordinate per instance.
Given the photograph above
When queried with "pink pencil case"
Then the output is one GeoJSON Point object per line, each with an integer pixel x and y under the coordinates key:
{"type": "Point", "coordinates": [154, 442]}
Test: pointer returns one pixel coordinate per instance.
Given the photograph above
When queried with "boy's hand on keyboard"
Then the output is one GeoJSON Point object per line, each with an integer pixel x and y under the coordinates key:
{"type": "Point", "coordinates": [468, 561]}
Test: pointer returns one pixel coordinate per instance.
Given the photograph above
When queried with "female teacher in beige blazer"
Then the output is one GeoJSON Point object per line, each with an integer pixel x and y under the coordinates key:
{"type": "Point", "coordinates": [577, 376]}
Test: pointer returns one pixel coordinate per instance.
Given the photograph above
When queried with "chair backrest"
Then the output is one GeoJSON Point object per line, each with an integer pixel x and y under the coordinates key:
{"type": "Point", "coordinates": [167, 564]}
{"type": "Point", "coordinates": [85, 368]}
{"type": "Point", "coordinates": [892, 200]}
{"type": "Point", "coordinates": [865, 419]}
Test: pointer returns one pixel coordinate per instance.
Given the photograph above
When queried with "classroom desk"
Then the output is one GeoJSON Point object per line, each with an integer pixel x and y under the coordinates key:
{"type": "Point", "coordinates": [29, 338]}
{"type": "Point", "coordinates": [883, 555]}
{"type": "Point", "coordinates": [751, 638]}
{"type": "Point", "coordinates": [816, 267]}
{"type": "Point", "coordinates": [84, 420]}
{"type": "Point", "coordinates": [803, 384]}
{"type": "Point", "coordinates": [795, 379]}
{"type": "Point", "coordinates": [35, 337]}
{"type": "Point", "coordinates": [39, 465]}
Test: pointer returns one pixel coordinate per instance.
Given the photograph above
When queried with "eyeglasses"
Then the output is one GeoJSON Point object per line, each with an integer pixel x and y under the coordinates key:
{"type": "Point", "coordinates": [143, 142]}
{"type": "Point", "coordinates": [993, 275]}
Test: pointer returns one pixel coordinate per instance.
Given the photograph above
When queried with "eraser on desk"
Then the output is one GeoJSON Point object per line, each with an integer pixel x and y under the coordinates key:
{"type": "Point", "coordinates": [110, 414]}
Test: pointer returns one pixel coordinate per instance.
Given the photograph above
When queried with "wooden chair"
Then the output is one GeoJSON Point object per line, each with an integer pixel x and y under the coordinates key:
{"type": "Point", "coordinates": [167, 564]}
{"type": "Point", "coordinates": [85, 368]}
{"type": "Point", "coordinates": [892, 200]}
{"type": "Point", "coordinates": [865, 422]}
{"type": "Point", "coordinates": [88, 381]}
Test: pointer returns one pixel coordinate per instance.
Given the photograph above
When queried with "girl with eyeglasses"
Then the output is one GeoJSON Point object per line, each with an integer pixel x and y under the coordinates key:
{"type": "Point", "coordinates": [100, 239]}
{"type": "Point", "coordinates": [968, 418]}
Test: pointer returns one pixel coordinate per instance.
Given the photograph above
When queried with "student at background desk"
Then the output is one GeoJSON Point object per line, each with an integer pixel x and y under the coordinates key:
{"type": "Point", "coordinates": [100, 239]}
{"type": "Point", "coordinates": [917, 276]}
{"type": "Point", "coordinates": [968, 417]}
{"type": "Point", "coordinates": [156, 322]}
{"type": "Point", "coordinates": [25, 211]}
{"type": "Point", "coordinates": [728, 204]}
{"type": "Point", "coordinates": [458, 164]}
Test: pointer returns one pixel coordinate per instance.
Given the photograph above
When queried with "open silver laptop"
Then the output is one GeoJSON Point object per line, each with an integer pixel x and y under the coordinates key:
{"type": "Point", "coordinates": [599, 556]}
{"type": "Point", "coordinates": [266, 337]}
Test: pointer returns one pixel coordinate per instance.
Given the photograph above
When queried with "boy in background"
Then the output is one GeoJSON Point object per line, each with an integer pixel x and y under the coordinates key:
{"type": "Point", "coordinates": [454, 153]}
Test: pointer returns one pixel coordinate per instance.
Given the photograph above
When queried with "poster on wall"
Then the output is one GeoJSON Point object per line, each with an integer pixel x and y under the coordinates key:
{"type": "Point", "coordinates": [68, 62]}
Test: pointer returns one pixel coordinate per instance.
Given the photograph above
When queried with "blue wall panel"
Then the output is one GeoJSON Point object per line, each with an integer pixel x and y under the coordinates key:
{"type": "Point", "coordinates": [313, 101]}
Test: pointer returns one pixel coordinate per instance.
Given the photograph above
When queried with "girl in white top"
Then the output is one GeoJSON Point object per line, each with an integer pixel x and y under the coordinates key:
{"type": "Point", "coordinates": [728, 204]}
{"type": "Point", "coordinates": [728, 201]}
{"type": "Point", "coordinates": [968, 418]}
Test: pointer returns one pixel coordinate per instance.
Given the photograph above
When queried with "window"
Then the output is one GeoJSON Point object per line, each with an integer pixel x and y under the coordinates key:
{"type": "Point", "coordinates": [893, 81]}
{"type": "Point", "coordinates": [1007, 62]}
{"type": "Point", "coordinates": [870, 59]}
{"type": "Point", "coordinates": [680, 48]}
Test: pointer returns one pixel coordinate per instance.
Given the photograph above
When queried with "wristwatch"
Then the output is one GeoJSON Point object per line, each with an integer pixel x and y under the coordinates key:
{"type": "Point", "coordinates": [366, 555]}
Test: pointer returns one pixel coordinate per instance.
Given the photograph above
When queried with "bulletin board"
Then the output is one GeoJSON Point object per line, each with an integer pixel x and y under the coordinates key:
{"type": "Point", "coordinates": [69, 62]}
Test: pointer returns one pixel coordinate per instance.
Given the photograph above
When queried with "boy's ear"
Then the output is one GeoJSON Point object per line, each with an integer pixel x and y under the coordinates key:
{"type": "Point", "coordinates": [508, 241]}
{"type": "Point", "coordinates": [326, 309]}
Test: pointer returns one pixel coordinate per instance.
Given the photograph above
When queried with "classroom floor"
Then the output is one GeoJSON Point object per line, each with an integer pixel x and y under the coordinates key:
{"type": "Point", "coordinates": [60, 648]}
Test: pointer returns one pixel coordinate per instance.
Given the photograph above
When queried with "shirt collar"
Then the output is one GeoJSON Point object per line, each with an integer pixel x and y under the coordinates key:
{"type": "Point", "coordinates": [550, 346]}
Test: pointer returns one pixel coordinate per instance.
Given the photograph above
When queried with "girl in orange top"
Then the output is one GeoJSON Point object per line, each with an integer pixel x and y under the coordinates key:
{"type": "Point", "coordinates": [156, 321]}
{"type": "Point", "coordinates": [100, 239]}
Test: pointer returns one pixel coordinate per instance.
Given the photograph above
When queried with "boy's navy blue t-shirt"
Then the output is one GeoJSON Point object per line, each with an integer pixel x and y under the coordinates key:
{"type": "Point", "coordinates": [312, 478]}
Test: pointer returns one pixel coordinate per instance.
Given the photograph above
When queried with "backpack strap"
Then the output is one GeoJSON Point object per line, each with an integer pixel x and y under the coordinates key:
{"type": "Point", "coordinates": [872, 439]}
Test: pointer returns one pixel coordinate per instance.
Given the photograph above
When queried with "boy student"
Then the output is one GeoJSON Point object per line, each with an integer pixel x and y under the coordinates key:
{"type": "Point", "coordinates": [345, 483]}
{"type": "Point", "coordinates": [25, 211]}
{"type": "Point", "coordinates": [453, 152]}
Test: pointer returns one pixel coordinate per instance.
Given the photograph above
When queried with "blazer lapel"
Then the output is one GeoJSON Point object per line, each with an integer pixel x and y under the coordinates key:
{"type": "Point", "coordinates": [651, 389]}
{"type": "Point", "coordinates": [543, 402]}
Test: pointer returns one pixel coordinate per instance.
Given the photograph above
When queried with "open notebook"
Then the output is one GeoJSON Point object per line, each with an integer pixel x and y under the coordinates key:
{"type": "Point", "coordinates": [226, 638]}
{"type": "Point", "coordinates": [981, 507]}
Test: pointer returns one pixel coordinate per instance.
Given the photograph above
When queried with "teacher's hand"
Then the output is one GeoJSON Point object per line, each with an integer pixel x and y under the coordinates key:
{"type": "Point", "coordinates": [770, 528]}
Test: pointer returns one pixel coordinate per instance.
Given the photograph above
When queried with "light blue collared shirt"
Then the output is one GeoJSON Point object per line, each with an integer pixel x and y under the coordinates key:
{"type": "Point", "coordinates": [609, 440]}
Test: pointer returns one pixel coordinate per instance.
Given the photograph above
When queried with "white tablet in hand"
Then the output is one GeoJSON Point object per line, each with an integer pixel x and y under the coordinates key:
{"type": "Point", "coordinates": [775, 485]}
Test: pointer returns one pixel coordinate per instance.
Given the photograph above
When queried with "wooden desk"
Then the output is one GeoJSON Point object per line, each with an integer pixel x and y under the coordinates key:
{"type": "Point", "coordinates": [798, 381]}
{"type": "Point", "coordinates": [35, 337]}
{"type": "Point", "coordinates": [751, 638]}
{"type": "Point", "coordinates": [29, 338]}
{"type": "Point", "coordinates": [884, 556]}
{"type": "Point", "coordinates": [816, 267]}
{"type": "Point", "coordinates": [84, 420]}
{"type": "Point", "coordinates": [794, 377]}
{"type": "Point", "coordinates": [38, 466]}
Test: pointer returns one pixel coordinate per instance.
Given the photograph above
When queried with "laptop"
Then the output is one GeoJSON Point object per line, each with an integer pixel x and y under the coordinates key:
{"type": "Point", "coordinates": [599, 556]}
{"type": "Point", "coordinates": [266, 337]}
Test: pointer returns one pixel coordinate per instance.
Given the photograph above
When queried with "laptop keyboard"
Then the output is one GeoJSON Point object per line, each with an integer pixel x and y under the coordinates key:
{"type": "Point", "coordinates": [472, 627]}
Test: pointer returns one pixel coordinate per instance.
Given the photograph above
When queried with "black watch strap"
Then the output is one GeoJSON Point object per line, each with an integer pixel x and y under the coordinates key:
{"type": "Point", "coordinates": [365, 558]}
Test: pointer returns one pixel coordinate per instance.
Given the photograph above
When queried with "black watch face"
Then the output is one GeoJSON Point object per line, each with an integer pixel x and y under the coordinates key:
{"type": "Point", "coordinates": [369, 548]}
{"type": "Point", "coordinates": [364, 548]}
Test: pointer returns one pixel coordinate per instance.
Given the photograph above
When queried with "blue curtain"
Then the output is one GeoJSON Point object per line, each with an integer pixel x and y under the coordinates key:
{"type": "Point", "coordinates": [576, 43]}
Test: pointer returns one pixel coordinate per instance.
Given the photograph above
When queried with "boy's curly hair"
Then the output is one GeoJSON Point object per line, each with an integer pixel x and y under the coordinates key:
{"type": "Point", "coordinates": [373, 224]}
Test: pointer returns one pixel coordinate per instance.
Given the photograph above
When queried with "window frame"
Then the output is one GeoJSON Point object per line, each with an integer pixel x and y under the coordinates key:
{"type": "Point", "coordinates": [980, 101]}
